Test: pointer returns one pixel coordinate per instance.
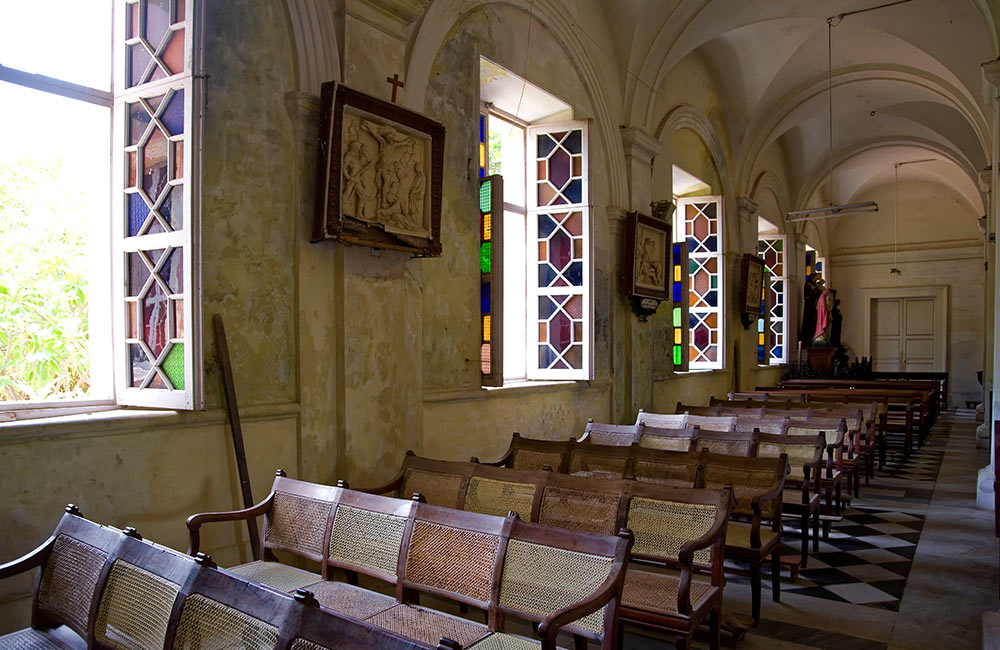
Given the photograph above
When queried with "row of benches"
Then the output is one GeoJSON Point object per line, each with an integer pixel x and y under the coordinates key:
{"type": "Point", "coordinates": [100, 587]}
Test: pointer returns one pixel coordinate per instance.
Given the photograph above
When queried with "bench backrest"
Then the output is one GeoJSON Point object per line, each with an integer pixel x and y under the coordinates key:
{"type": "Point", "coordinates": [763, 425]}
{"type": "Point", "coordinates": [733, 443]}
{"type": "Point", "coordinates": [691, 409]}
{"type": "Point", "coordinates": [661, 420]}
{"type": "Point", "coordinates": [712, 423]}
{"type": "Point", "coordinates": [682, 439]}
{"type": "Point", "coordinates": [833, 430]}
{"type": "Point", "coordinates": [801, 451]}
{"type": "Point", "coordinates": [612, 435]}
{"type": "Point", "coordinates": [754, 480]}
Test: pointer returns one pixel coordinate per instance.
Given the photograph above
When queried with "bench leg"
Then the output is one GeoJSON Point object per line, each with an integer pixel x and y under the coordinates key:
{"type": "Point", "coordinates": [683, 642]}
{"type": "Point", "coordinates": [816, 530]}
{"type": "Point", "coordinates": [714, 632]}
{"type": "Point", "coordinates": [836, 497]}
{"type": "Point", "coordinates": [579, 643]}
{"type": "Point", "coordinates": [776, 576]}
{"type": "Point", "coordinates": [805, 540]}
{"type": "Point", "coordinates": [755, 591]}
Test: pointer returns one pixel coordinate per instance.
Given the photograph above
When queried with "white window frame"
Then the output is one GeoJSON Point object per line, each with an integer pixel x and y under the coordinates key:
{"type": "Point", "coordinates": [585, 290]}
{"type": "Point", "coordinates": [107, 248]}
{"type": "Point", "coordinates": [720, 254]}
{"type": "Point", "coordinates": [771, 359]}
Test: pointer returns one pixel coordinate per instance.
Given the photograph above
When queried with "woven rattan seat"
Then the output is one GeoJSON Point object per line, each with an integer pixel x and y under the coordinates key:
{"type": "Point", "coordinates": [438, 489]}
{"type": "Point", "coordinates": [738, 534]}
{"type": "Point", "coordinates": [32, 639]}
{"type": "Point", "coordinates": [350, 600]}
{"type": "Point", "coordinates": [491, 497]}
{"type": "Point", "coordinates": [297, 523]}
{"type": "Point", "coordinates": [365, 538]}
{"type": "Point", "coordinates": [657, 592]}
{"type": "Point", "coordinates": [135, 608]}
{"type": "Point", "coordinates": [427, 626]}
{"type": "Point", "coordinates": [594, 512]}
{"type": "Point", "coordinates": [69, 579]}
{"type": "Point", "coordinates": [542, 579]}
{"type": "Point", "coordinates": [209, 625]}
{"type": "Point", "coordinates": [273, 574]}
{"type": "Point", "coordinates": [452, 559]}
{"type": "Point", "coordinates": [501, 641]}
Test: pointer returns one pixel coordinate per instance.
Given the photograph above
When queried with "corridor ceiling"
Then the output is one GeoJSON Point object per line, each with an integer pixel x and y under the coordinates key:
{"type": "Point", "coordinates": [907, 81]}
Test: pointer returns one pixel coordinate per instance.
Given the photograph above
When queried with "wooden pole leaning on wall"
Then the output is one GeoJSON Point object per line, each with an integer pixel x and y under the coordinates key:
{"type": "Point", "coordinates": [233, 411]}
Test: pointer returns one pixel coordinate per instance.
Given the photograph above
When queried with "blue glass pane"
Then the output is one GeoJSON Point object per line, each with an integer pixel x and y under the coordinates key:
{"type": "Point", "coordinates": [575, 274]}
{"type": "Point", "coordinates": [777, 311]}
{"type": "Point", "coordinates": [692, 244]}
{"type": "Point", "coordinates": [546, 307]}
{"type": "Point", "coordinates": [574, 191]}
{"type": "Point", "coordinates": [692, 321]}
{"type": "Point", "coordinates": [137, 213]}
{"type": "Point", "coordinates": [484, 297]}
{"type": "Point", "coordinates": [173, 114]}
{"type": "Point", "coordinates": [712, 298]}
{"type": "Point", "coordinates": [546, 275]}
{"type": "Point", "coordinates": [545, 356]}
{"type": "Point", "coordinates": [761, 246]}
{"type": "Point", "coordinates": [710, 210]}
{"type": "Point", "coordinates": [677, 252]}
{"type": "Point", "coordinates": [677, 291]}
{"type": "Point", "coordinates": [545, 145]}
{"type": "Point", "coordinates": [482, 128]}
{"type": "Point", "coordinates": [546, 225]}
{"type": "Point", "coordinates": [482, 172]}
{"type": "Point", "coordinates": [712, 243]}
{"type": "Point", "coordinates": [776, 352]}
{"type": "Point", "coordinates": [573, 141]}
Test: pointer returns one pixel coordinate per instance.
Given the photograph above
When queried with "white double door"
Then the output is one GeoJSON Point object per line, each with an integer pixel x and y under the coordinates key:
{"type": "Point", "coordinates": [903, 334]}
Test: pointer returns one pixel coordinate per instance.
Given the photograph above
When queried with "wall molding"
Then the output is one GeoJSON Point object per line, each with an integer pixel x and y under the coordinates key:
{"type": "Point", "coordinates": [963, 249]}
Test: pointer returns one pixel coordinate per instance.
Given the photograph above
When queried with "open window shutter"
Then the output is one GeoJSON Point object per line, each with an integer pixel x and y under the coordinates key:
{"type": "Point", "coordinates": [155, 255]}
{"type": "Point", "coordinates": [558, 253]}
{"type": "Point", "coordinates": [699, 222]}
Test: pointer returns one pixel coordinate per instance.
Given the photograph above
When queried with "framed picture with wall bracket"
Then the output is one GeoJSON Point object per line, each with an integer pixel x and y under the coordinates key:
{"type": "Point", "coordinates": [751, 288]}
{"type": "Point", "coordinates": [646, 261]}
{"type": "Point", "coordinates": [378, 174]}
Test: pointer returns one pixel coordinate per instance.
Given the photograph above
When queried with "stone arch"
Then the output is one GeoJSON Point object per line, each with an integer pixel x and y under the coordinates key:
{"type": "Point", "coordinates": [688, 117]}
{"type": "Point", "coordinates": [443, 15]}
{"type": "Point", "coordinates": [767, 181]}
{"type": "Point", "coordinates": [316, 44]}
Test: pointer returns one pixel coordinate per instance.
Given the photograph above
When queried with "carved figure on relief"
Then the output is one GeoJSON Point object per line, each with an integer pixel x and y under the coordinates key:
{"type": "Point", "coordinates": [389, 187]}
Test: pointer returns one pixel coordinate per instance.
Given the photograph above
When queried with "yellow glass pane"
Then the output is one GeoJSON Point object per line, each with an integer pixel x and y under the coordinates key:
{"type": "Point", "coordinates": [487, 226]}
{"type": "Point", "coordinates": [482, 155]}
{"type": "Point", "coordinates": [677, 273]}
{"type": "Point", "coordinates": [486, 328]}
{"type": "Point", "coordinates": [677, 335]}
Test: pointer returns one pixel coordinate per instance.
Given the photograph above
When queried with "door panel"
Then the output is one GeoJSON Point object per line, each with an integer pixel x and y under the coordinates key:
{"type": "Point", "coordinates": [903, 335]}
{"type": "Point", "coordinates": [919, 317]}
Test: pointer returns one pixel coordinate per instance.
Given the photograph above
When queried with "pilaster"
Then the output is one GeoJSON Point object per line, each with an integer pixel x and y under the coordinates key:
{"type": "Point", "coordinates": [640, 149]}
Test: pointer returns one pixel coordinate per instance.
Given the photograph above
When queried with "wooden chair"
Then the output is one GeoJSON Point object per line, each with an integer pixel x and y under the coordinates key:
{"type": "Point", "coordinates": [833, 465]}
{"type": "Point", "coordinates": [673, 468]}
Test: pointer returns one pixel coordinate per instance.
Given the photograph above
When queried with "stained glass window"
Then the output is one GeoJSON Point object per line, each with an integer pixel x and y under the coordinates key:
{"type": "Point", "coordinates": [156, 125]}
{"type": "Point", "coordinates": [699, 223]}
{"type": "Point", "coordinates": [679, 306]}
{"type": "Point", "coordinates": [771, 248]}
{"type": "Point", "coordinates": [491, 280]}
{"type": "Point", "coordinates": [558, 226]}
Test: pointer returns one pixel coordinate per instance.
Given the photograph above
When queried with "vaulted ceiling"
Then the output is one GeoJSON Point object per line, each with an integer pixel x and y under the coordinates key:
{"type": "Point", "coordinates": [907, 84]}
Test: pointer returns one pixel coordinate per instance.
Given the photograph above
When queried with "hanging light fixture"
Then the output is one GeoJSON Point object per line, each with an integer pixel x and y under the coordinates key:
{"type": "Point", "coordinates": [895, 213]}
{"type": "Point", "coordinates": [834, 210]}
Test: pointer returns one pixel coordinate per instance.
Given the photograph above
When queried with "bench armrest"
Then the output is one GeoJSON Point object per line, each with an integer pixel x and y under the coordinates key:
{"type": "Point", "coordinates": [28, 561]}
{"type": "Point", "coordinates": [194, 522]}
{"type": "Point", "coordinates": [549, 628]}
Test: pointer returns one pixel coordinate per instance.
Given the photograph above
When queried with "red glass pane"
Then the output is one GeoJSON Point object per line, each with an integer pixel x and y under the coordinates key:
{"type": "Point", "coordinates": [701, 227]}
{"type": "Point", "coordinates": [577, 166]}
{"type": "Point", "coordinates": [542, 170]}
{"type": "Point", "coordinates": [574, 307]}
{"type": "Point", "coordinates": [558, 136]}
{"type": "Point", "coordinates": [574, 224]}
{"type": "Point", "coordinates": [179, 10]}
{"type": "Point", "coordinates": [712, 264]}
{"type": "Point", "coordinates": [157, 382]}
{"type": "Point", "coordinates": [560, 332]}
{"type": "Point", "coordinates": [132, 21]}
{"type": "Point", "coordinates": [712, 352]}
{"type": "Point", "coordinates": [559, 164]}
{"type": "Point", "coordinates": [701, 337]}
{"type": "Point", "coordinates": [178, 305]}
{"type": "Point", "coordinates": [157, 20]}
{"type": "Point", "coordinates": [701, 282]}
{"type": "Point", "coordinates": [173, 56]}
{"type": "Point", "coordinates": [560, 250]}
{"type": "Point", "coordinates": [484, 358]}
{"type": "Point", "coordinates": [154, 177]}
{"type": "Point", "coordinates": [578, 249]}
{"type": "Point", "coordinates": [154, 319]}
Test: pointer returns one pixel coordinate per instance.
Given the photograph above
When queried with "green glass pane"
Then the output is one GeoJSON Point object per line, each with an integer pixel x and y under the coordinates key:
{"type": "Point", "coordinates": [678, 359]}
{"type": "Point", "coordinates": [778, 244]}
{"type": "Point", "coordinates": [485, 196]}
{"type": "Point", "coordinates": [677, 316]}
{"type": "Point", "coordinates": [485, 258]}
{"type": "Point", "coordinates": [173, 365]}
{"type": "Point", "coordinates": [715, 282]}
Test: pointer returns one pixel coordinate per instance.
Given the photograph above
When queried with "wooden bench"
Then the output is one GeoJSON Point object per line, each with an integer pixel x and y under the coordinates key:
{"type": "Point", "coordinates": [104, 588]}
{"type": "Point", "coordinates": [623, 435]}
{"type": "Point", "coordinates": [757, 483]}
{"type": "Point", "coordinates": [679, 528]}
{"type": "Point", "coordinates": [502, 565]}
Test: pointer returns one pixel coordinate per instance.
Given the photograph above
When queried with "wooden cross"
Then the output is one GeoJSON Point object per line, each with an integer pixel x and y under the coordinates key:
{"type": "Point", "coordinates": [396, 84]}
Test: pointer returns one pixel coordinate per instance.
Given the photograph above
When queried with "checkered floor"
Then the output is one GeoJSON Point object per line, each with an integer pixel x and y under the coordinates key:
{"type": "Point", "coordinates": [867, 559]}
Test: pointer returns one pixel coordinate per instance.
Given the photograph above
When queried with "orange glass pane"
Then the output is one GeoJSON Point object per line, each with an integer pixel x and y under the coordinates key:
{"type": "Point", "coordinates": [173, 56]}
{"type": "Point", "coordinates": [546, 194]}
{"type": "Point", "coordinates": [486, 328]}
{"type": "Point", "coordinates": [543, 250]}
{"type": "Point", "coordinates": [178, 159]}
{"type": "Point", "coordinates": [543, 332]}
{"type": "Point", "coordinates": [131, 169]}
{"type": "Point", "coordinates": [543, 169]}
{"type": "Point", "coordinates": [133, 319]}
{"type": "Point", "coordinates": [178, 305]}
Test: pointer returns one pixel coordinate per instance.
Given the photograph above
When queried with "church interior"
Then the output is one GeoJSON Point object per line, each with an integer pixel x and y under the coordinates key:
{"type": "Point", "coordinates": [717, 196]}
